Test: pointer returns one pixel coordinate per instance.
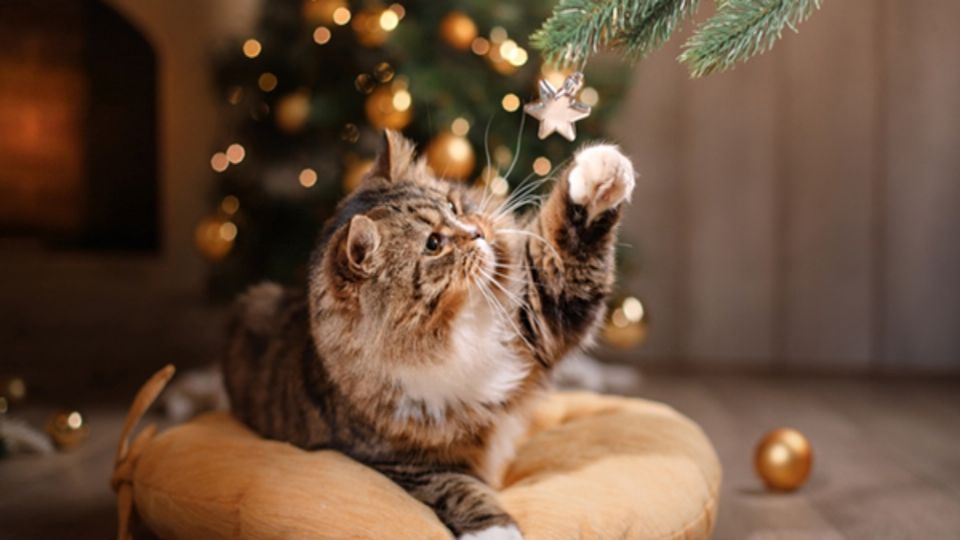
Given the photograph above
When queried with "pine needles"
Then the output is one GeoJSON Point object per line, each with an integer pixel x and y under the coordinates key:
{"type": "Point", "coordinates": [739, 30]}
{"type": "Point", "coordinates": [579, 28]}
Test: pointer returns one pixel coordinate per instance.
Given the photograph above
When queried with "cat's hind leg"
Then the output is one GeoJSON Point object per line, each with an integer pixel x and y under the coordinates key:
{"type": "Point", "coordinates": [467, 506]}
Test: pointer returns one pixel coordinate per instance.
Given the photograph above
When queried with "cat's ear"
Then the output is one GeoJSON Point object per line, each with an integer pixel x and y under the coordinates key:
{"type": "Point", "coordinates": [395, 157]}
{"type": "Point", "coordinates": [362, 242]}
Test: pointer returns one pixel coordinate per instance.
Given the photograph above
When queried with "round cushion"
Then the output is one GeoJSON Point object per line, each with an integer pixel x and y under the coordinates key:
{"type": "Point", "coordinates": [591, 467]}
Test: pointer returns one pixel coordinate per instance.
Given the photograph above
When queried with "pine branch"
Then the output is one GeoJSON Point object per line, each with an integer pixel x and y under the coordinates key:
{"type": "Point", "coordinates": [579, 28]}
{"type": "Point", "coordinates": [740, 30]}
{"type": "Point", "coordinates": [656, 25]}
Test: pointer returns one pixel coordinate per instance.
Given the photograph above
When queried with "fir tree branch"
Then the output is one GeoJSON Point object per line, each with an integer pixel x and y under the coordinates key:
{"type": "Point", "coordinates": [741, 29]}
{"type": "Point", "coordinates": [655, 27]}
{"type": "Point", "coordinates": [579, 28]}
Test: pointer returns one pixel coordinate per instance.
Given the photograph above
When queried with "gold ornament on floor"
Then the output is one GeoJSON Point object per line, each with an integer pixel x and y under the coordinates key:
{"type": "Point", "coordinates": [214, 237]}
{"type": "Point", "coordinates": [390, 107]}
{"type": "Point", "coordinates": [458, 30]}
{"type": "Point", "coordinates": [451, 156]}
{"type": "Point", "coordinates": [626, 325]}
{"type": "Point", "coordinates": [292, 111]}
{"type": "Point", "coordinates": [67, 429]}
{"type": "Point", "coordinates": [783, 459]}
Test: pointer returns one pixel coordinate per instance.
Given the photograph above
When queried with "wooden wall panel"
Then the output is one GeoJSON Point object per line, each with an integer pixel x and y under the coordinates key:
{"type": "Point", "coordinates": [653, 229]}
{"type": "Point", "coordinates": [828, 117]}
{"type": "Point", "coordinates": [728, 180]}
{"type": "Point", "coordinates": [803, 210]}
{"type": "Point", "coordinates": [922, 196]}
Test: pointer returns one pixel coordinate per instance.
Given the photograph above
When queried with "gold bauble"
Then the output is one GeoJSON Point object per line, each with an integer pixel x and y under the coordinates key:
{"type": "Point", "coordinates": [67, 429]}
{"type": "Point", "coordinates": [389, 107]}
{"type": "Point", "coordinates": [292, 111]}
{"type": "Point", "coordinates": [321, 11]}
{"type": "Point", "coordinates": [458, 30]}
{"type": "Point", "coordinates": [783, 459]}
{"type": "Point", "coordinates": [451, 156]}
{"type": "Point", "coordinates": [214, 237]}
{"type": "Point", "coordinates": [626, 325]}
{"type": "Point", "coordinates": [354, 171]}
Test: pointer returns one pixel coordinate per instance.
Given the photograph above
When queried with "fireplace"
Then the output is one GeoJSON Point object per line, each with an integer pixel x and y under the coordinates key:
{"type": "Point", "coordinates": [78, 133]}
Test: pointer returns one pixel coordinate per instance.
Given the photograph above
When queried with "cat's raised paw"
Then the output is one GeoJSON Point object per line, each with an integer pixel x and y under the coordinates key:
{"type": "Point", "coordinates": [498, 532]}
{"type": "Point", "coordinates": [601, 178]}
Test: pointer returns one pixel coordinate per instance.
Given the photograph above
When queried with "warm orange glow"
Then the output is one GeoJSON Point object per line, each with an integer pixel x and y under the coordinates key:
{"type": "Point", "coordinates": [402, 100]}
{"type": "Point", "coordinates": [542, 166]}
{"type": "Point", "coordinates": [589, 96]}
{"type": "Point", "coordinates": [251, 48]}
{"type": "Point", "coordinates": [460, 126]}
{"type": "Point", "coordinates": [236, 153]}
{"type": "Point", "coordinates": [480, 46]}
{"type": "Point", "coordinates": [510, 102]}
{"type": "Point", "coordinates": [341, 16]}
{"type": "Point", "coordinates": [267, 82]}
{"type": "Point", "coordinates": [389, 20]}
{"type": "Point", "coordinates": [308, 178]}
{"type": "Point", "coordinates": [219, 162]}
{"type": "Point", "coordinates": [398, 9]}
{"type": "Point", "coordinates": [230, 205]}
{"type": "Point", "coordinates": [228, 231]}
{"type": "Point", "coordinates": [322, 35]}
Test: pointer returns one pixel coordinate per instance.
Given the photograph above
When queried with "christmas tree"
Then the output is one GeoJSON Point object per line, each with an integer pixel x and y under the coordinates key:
{"type": "Point", "coordinates": [306, 95]}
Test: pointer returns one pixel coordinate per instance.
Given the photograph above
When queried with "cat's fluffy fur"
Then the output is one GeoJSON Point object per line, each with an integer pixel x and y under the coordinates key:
{"type": "Point", "coordinates": [431, 319]}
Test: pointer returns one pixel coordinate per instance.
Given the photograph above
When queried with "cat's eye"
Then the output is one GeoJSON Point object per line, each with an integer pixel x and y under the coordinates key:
{"type": "Point", "coordinates": [434, 241]}
{"type": "Point", "coordinates": [452, 207]}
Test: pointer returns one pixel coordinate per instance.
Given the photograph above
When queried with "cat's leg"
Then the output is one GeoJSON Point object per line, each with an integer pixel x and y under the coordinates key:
{"type": "Point", "coordinates": [569, 262]}
{"type": "Point", "coordinates": [467, 506]}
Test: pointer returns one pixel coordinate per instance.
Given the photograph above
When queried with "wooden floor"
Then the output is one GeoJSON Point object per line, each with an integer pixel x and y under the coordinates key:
{"type": "Point", "coordinates": [887, 462]}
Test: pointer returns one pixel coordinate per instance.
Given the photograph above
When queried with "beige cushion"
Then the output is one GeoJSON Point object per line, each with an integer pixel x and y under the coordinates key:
{"type": "Point", "coordinates": [593, 467]}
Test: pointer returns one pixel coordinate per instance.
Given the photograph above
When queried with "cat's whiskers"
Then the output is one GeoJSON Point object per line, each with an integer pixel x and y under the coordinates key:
{"type": "Point", "coordinates": [487, 190]}
{"type": "Point", "coordinates": [532, 235]}
{"type": "Point", "coordinates": [510, 295]}
{"type": "Point", "coordinates": [501, 310]}
{"type": "Point", "coordinates": [516, 152]}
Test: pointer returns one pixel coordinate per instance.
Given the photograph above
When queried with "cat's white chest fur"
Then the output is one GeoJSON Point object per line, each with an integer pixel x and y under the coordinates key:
{"type": "Point", "coordinates": [478, 369]}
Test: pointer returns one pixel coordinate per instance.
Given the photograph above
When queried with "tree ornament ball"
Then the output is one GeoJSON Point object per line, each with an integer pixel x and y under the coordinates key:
{"type": "Point", "coordinates": [214, 237]}
{"type": "Point", "coordinates": [458, 30]}
{"type": "Point", "coordinates": [626, 325]}
{"type": "Point", "coordinates": [451, 156]}
{"type": "Point", "coordinates": [389, 107]}
{"type": "Point", "coordinates": [292, 112]}
{"type": "Point", "coordinates": [67, 429]}
{"type": "Point", "coordinates": [783, 459]}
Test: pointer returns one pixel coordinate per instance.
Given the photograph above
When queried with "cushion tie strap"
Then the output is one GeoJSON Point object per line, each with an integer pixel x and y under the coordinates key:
{"type": "Point", "coordinates": [127, 453]}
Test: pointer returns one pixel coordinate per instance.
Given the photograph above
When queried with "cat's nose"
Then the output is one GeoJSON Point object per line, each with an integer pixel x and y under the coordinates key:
{"type": "Point", "coordinates": [476, 234]}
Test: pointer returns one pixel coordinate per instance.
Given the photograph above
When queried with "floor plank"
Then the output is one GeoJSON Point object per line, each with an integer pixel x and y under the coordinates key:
{"type": "Point", "coordinates": [887, 464]}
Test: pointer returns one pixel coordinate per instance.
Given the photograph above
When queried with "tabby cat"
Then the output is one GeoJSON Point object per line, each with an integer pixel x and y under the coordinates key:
{"type": "Point", "coordinates": [430, 321]}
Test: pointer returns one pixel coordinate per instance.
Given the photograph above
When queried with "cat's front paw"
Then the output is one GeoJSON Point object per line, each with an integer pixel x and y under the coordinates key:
{"type": "Point", "coordinates": [498, 532]}
{"type": "Point", "coordinates": [601, 178]}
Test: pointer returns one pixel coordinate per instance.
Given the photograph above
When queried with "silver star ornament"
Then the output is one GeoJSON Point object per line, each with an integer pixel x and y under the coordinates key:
{"type": "Point", "coordinates": [557, 110]}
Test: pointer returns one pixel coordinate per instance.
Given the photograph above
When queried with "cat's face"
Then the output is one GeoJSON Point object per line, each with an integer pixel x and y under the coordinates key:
{"type": "Point", "coordinates": [408, 252]}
